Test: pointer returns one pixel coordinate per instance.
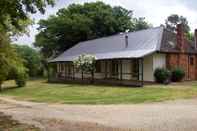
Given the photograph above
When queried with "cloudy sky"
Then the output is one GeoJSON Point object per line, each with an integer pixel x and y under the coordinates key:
{"type": "Point", "coordinates": [155, 12]}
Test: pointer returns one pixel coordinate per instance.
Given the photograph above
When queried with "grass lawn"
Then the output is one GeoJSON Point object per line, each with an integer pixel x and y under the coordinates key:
{"type": "Point", "coordinates": [40, 91]}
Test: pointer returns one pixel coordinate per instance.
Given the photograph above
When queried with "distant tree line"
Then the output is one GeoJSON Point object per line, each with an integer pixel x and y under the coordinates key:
{"type": "Point", "coordinates": [32, 59]}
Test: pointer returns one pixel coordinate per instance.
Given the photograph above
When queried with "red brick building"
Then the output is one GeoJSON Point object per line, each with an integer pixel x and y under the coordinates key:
{"type": "Point", "coordinates": [183, 55]}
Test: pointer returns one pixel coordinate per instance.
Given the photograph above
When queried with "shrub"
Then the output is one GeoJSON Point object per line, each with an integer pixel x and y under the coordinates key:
{"type": "Point", "coordinates": [21, 79]}
{"type": "Point", "coordinates": [85, 62]}
{"type": "Point", "coordinates": [177, 74]}
{"type": "Point", "coordinates": [162, 75]}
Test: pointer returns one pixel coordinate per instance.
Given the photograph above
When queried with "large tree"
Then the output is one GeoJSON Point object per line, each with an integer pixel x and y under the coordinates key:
{"type": "Point", "coordinates": [14, 19]}
{"type": "Point", "coordinates": [83, 22]}
{"type": "Point", "coordinates": [10, 62]}
{"type": "Point", "coordinates": [173, 20]}
{"type": "Point", "coordinates": [4, 57]}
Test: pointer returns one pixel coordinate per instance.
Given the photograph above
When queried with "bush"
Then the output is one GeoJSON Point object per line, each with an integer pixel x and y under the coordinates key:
{"type": "Point", "coordinates": [177, 74]}
{"type": "Point", "coordinates": [162, 75]}
{"type": "Point", "coordinates": [85, 63]}
{"type": "Point", "coordinates": [21, 79]}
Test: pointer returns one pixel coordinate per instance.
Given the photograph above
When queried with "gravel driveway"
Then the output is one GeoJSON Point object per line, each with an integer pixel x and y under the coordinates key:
{"type": "Point", "coordinates": [178, 115]}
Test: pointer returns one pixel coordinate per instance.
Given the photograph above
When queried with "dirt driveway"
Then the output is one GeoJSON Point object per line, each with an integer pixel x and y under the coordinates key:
{"type": "Point", "coordinates": [178, 115]}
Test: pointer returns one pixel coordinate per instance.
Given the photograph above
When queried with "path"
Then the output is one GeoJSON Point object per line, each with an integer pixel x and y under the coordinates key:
{"type": "Point", "coordinates": [180, 115]}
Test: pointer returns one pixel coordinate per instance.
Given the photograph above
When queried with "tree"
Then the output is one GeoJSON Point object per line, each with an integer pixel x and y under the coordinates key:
{"type": "Point", "coordinates": [32, 59]}
{"type": "Point", "coordinates": [14, 19]}
{"type": "Point", "coordinates": [9, 60]}
{"type": "Point", "coordinates": [80, 23]}
{"type": "Point", "coordinates": [140, 24]}
{"type": "Point", "coordinates": [13, 13]}
{"type": "Point", "coordinates": [4, 61]}
{"type": "Point", "coordinates": [173, 20]}
{"type": "Point", "coordinates": [190, 36]}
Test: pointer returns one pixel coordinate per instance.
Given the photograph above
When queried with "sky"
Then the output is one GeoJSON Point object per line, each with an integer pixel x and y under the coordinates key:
{"type": "Point", "coordinates": [155, 12]}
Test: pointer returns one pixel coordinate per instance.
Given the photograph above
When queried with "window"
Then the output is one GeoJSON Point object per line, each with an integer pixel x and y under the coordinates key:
{"type": "Point", "coordinates": [98, 67]}
{"type": "Point", "coordinates": [191, 60]}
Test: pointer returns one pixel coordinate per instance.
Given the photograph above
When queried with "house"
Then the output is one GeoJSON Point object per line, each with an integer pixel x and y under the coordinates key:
{"type": "Point", "coordinates": [130, 58]}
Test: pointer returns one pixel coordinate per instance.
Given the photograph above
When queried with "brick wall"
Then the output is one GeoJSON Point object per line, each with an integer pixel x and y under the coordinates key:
{"type": "Point", "coordinates": [184, 64]}
{"type": "Point", "coordinates": [171, 61]}
{"type": "Point", "coordinates": [192, 68]}
{"type": "Point", "coordinates": [177, 60]}
{"type": "Point", "coordinates": [182, 59]}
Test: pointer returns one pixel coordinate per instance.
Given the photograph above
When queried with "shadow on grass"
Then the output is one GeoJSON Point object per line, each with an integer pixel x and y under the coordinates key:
{"type": "Point", "coordinates": [8, 88]}
{"type": "Point", "coordinates": [84, 84]}
{"type": "Point", "coordinates": [96, 85]}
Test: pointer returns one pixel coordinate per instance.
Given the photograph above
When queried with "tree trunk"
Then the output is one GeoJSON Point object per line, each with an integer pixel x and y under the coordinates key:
{"type": "Point", "coordinates": [0, 87]}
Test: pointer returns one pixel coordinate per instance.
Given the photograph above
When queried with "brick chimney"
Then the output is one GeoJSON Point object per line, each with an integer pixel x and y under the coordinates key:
{"type": "Point", "coordinates": [195, 38]}
{"type": "Point", "coordinates": [180, 37]}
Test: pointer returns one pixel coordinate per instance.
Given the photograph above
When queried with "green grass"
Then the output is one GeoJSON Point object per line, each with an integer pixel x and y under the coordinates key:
{"type": "Point", "coordinates": [40, 91]}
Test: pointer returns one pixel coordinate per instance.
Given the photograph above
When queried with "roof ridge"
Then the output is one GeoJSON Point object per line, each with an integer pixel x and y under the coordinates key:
{"type": "Point", "coordinates": [121, 34]}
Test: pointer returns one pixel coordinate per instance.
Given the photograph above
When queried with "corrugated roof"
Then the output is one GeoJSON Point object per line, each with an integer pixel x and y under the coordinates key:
{"type": "Point", "coordinates": [140, 43]}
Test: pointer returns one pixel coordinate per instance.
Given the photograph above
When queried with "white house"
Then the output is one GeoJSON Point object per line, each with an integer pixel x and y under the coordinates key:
{"type": "Point", "coordinates": [128, 58]}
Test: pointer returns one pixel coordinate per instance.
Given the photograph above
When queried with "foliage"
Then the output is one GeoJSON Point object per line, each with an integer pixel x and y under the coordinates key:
{"type": "Point", "coordinates": [32, 59]}
{"type": "Point", "coordinates": [18, 72]}
{"type": "Point", "coordinates": [85, 63]}
{"type": "Point", "coordinates": [21, 78]}
{"type": "Point", "coordinates": [13, 13]}
{"type": "Point", "coordinates": [190, 36]}
{"type": "Point", "coordinates": [162, 75]}
{"type": "Point", "coordinates": [173, 20]}
{"type": "Point", "coordinates": [11, 64]}
{"type": "Point", "coordinates": [14, 19]}
{"type": "Point", "coordinates": [177, 74]}
{"type": "Point", "coordinates": [83, 22]}
{"type": "Point", "coordinates": [140, 23]}
{"type": "Point", "coordinates": [5, 57]}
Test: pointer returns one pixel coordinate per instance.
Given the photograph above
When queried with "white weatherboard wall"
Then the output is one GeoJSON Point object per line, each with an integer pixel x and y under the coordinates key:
{"type": "Point", "coordinates": [152, 62]}
{"type": "Point", "coordinates": [148, 68]}
{"type": "Point", "coordinates": [159, 61]}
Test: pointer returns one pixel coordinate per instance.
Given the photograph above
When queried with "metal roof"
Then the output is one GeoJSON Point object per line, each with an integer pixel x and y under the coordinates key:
{"type": "Point", "coordinates": [140, 44]}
